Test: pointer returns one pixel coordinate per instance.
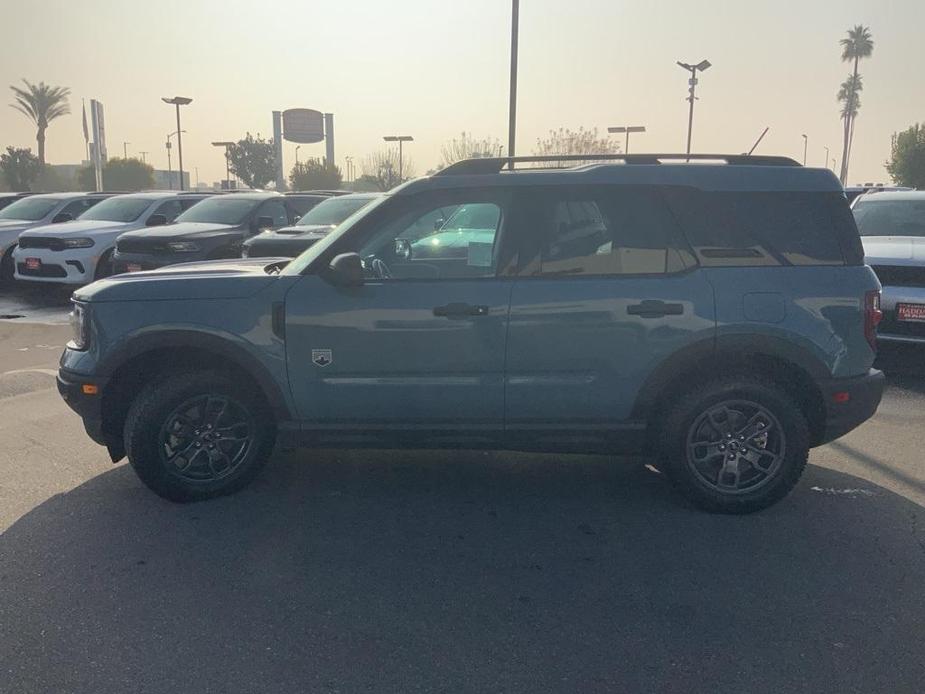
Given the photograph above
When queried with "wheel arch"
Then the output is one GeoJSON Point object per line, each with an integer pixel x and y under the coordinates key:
{"type": "Point", "coordinates": [794, 368]}
{"type": "Point", "coordinates": [146, 356]}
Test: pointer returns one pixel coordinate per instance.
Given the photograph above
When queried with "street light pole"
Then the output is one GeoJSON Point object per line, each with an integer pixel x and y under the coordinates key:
{"type": "Point", "coordinates": [693, 69]}
{"type": "Point", "coordinates": [827, 157]}
{"type": "Point", "coordinates": [125, 149]}
{"type": "Point", "coordinates": [627, 129]}
{"type": "Point", "coordinates": [297, 148]}
{"type": "Point", "coordinates": [144, 156]}
{"type": "Point", "coordinates": [512, 106]}
{"type": "Point", "coordinates": [169, 170]}
{"type": "Point", "coordinates": [226, 144]}
{"type": "Point", "coordinates": [400, 139]}
{"type": "Point", "coordinates": [178, 101]}
{"type": "Point", "coordinates": [805, 148]}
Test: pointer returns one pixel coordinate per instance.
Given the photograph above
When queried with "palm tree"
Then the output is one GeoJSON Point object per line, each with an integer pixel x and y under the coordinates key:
{"type": "Point", "coordinates": [42, 104]}
{"type": "Point", "coordinates": [857, 45]}
{"type": "Point", "coordinates": [849, 96]}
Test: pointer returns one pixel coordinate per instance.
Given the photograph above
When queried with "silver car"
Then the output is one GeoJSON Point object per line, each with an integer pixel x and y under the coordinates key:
{"type": "Point", "coordinates": [892, 227]}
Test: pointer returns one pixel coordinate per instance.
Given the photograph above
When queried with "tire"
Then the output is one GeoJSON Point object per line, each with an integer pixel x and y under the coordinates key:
{"type": "Point", "coordinates": [734, 445]}
{"type": "Point", "coordinates": [104, 267]}
{"type": "Point", "coordinates": [197, 435]}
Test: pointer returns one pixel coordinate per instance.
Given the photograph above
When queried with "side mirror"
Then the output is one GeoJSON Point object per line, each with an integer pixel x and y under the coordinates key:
{"type": "Point", "coordinates": [346, 270]}
{"type": "Point", "coordinates": [264, 223]}
{"type": "Point", "coordinates": [62, 217]}
{"type": "Point", "coordinates": [156, 220]}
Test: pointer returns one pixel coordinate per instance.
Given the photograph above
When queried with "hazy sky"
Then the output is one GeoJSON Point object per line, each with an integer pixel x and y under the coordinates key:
{"type": "Point", "coordinates": [432, 68]}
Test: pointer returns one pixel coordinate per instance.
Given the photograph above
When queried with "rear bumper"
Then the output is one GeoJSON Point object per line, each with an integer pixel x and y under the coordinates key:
{"type": "Point", "coordinates": [89, 407]}
{"type": "Point", "coordinates": [844, 414]}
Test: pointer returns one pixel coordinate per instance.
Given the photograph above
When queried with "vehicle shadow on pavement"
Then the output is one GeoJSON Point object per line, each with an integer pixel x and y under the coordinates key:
{"type": "Point", "coordinates": [397, 572]}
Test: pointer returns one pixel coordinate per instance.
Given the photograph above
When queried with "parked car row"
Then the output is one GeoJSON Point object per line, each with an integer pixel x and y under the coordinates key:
{"type": "Point", "coordinates": [76, 238]}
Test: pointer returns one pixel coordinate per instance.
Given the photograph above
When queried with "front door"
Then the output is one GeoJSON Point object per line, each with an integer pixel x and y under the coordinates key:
{"type": "Point", "coordinates": [419, 347]}
{"type": "Point", "coordinates": [605, 294]}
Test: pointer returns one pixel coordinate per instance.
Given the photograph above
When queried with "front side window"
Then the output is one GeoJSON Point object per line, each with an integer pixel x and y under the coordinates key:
{"type": "Point", "coordinates": [276, 210]}
{"type": "Point", "coordinates": [78, 207]}
{"type": "Point", "coordinates": [170, 209]}
{"type": "Point", "coordinates": [606, 230]}
{"type": "Point", "coordinates": [117, 209]}
{"type": "Point", "coordinates": [890, 217]}
{"type": "Point", "coordinates": [424, 242]}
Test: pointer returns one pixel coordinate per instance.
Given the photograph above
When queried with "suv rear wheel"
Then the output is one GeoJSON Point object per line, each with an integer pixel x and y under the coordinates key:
{"type": "Point", "coordinates": [197, 435]}
{"type": "Point", "coordinates": [734, 445]}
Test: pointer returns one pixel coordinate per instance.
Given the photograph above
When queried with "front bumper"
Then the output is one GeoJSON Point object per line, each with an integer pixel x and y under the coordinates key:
{"type": "Point", "coordinates": [89, 407]}
{"type": "Point", "coordinates": [121, 262]}
{"type": "Point", "coordinates": [846, 413]}
{"type": "Point", "coordinates": [74, 266]}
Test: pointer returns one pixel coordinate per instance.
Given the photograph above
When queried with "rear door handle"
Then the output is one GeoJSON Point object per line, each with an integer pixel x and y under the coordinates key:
{"type": "Point", "coordinates": [460, 311]}
{"type": "Point", "coordinates": [654, 309]}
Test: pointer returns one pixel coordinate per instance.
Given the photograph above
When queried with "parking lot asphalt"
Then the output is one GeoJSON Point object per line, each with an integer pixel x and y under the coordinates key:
{"type": "Point", "coordinates": [385, 571]}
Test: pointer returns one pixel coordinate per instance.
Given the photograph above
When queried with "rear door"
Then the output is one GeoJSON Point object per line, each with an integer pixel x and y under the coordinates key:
{"type": "Point", "coordinates": [606, 291]}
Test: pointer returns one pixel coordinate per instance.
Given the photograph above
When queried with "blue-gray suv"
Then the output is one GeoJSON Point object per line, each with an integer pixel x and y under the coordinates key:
{"type": "Point", "coordinates": [717, 316]}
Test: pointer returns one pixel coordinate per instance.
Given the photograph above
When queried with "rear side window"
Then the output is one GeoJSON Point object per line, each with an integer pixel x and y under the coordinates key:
{"type": "Point", "coordinates": [727, 229]}
{"type": "Point", "coordinates": [602, 230]}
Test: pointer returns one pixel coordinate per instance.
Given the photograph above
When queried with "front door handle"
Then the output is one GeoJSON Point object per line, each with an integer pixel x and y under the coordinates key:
{"type": "Point", "coordinates": [655, 309]}
{"type": "Point", "coordinates": [460, 311]}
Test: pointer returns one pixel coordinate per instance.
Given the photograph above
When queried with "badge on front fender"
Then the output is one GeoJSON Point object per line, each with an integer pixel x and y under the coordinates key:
{"type": "Point", "coordinates": [322, 357]}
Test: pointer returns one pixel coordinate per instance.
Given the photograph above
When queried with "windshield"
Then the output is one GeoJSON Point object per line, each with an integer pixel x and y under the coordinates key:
{"type": "Point", "coordinates": [302, 261]}
{"type": "Point", "coordinates": [333, 211]}
{"type": "Point", "coordinates": [891, 217]}
{"type": "Point", "coordinates": [219, 211]}
{"type": "Point", "coordinates": [474, 216]}
{"type": "Point", "coordinates": [29, 209]}
{"type": "Point", "coordinates": [117, 210]}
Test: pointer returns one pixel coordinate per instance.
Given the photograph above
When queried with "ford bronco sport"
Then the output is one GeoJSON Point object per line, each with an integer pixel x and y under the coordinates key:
{"type": "Point", "coordinates": [717, 315]}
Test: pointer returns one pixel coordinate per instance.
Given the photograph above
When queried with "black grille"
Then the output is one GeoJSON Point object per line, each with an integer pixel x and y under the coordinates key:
{"type": "Point", "coordinates": [43, 271]}
{"type": "Point", "coordinates": [890, 326]}
{"type": "Point", "coordinates": [900, 275]}
{"type": "Point", "coordinates": [41, 242]}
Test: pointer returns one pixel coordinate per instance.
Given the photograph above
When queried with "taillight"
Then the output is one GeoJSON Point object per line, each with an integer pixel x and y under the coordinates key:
{"type": "Point", "coordinates": [872, 317]}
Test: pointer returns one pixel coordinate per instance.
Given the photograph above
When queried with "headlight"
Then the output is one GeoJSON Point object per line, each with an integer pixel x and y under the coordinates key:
{"type": "Point", "coordinates": [183, 246]}
{"type": "Point", "coordinates": [80, 324]}
{"type": "Point", "coordinates": [77, 243]}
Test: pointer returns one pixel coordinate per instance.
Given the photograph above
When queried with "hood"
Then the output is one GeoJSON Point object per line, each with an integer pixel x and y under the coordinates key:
{"type": "Point", "coordinates": [184, 230]}
{"type": "Point", "coordinates": [894, 250]}
{"type": "Point", "coordinates": [212, 279]}
{"type": "Point", "coordinates": [78, 226]}
{"type": "Point", "coordinates": [306, 230]}
{"type": "Point", "coordinates": [6, 223]}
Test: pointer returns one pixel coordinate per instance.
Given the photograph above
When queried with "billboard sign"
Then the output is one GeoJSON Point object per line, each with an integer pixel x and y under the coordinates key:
{"type": "Point", "coordinates": [303, 125]}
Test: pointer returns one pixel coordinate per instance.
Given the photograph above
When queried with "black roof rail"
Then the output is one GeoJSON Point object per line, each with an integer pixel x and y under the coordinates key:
{"type": "Point", "coordinates": [493, 165]}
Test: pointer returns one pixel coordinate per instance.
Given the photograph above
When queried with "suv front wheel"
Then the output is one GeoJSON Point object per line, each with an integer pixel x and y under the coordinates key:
{"type": "Point", "coordinates": [734, 445]}
{"type": "Point", "coordinates": [197, 435]}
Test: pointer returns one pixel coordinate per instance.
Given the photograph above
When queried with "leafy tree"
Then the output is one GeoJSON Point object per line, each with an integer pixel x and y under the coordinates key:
{"type": "Point", "coordinates": [119, 174]}
{"type": "Point", "coordinates": [315, 174]}
{"type": "Point", "coordinates": [565, 141]}
{"type": "Point", "coordinates": [467, 147]}
{"type": "Point", "coordinates": [858, 44]}
{"type": "Point", "coordinates": [41, 103]}
{"type": "Point", "coordinates": [51, 181]}
{"type": "Point", "coordinates": [253, 160]}
{"type": "Point", "coordinates": [380, 169]}
{"type": "Point", "coordinates": [907, 158]}
{"type": "Point", "coordinates": [20, 168]}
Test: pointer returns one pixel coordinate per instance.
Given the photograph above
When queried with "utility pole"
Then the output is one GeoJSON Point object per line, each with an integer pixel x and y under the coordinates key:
{"type": "Point", "coordinates": [693, 70]}
{"type": "Point", "coordinates": [178, 101]}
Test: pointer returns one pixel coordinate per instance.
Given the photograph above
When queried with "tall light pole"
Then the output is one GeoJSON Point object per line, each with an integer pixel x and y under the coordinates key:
{"type": "Point", "coordinates": [125, 149]}
{"type": "Point", "coordinates": [400, 139]}
{"type": "Point", "coordinates": [227, 144]}
{"type": "Point", "coordinates": [144, 156]}
{"type": "Point", "coordinates": [805, 147]}
{"type": "Point", "coordinates": [178, 101]}
{"type": "Point", "coordinates": [169, 170]}
{"type": "Point", "coordinates": [349, 161]}
{"type": "Point", "coordinates": [627, 129]}
{"type": "Point", "coordinates": [826, 157]}
{"type": "Point", "coordinates": [512, 106]}
{"type": "Point", "coordinates": [297, 148]}
{"type": "Point", "coordinates": [693, 69]}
